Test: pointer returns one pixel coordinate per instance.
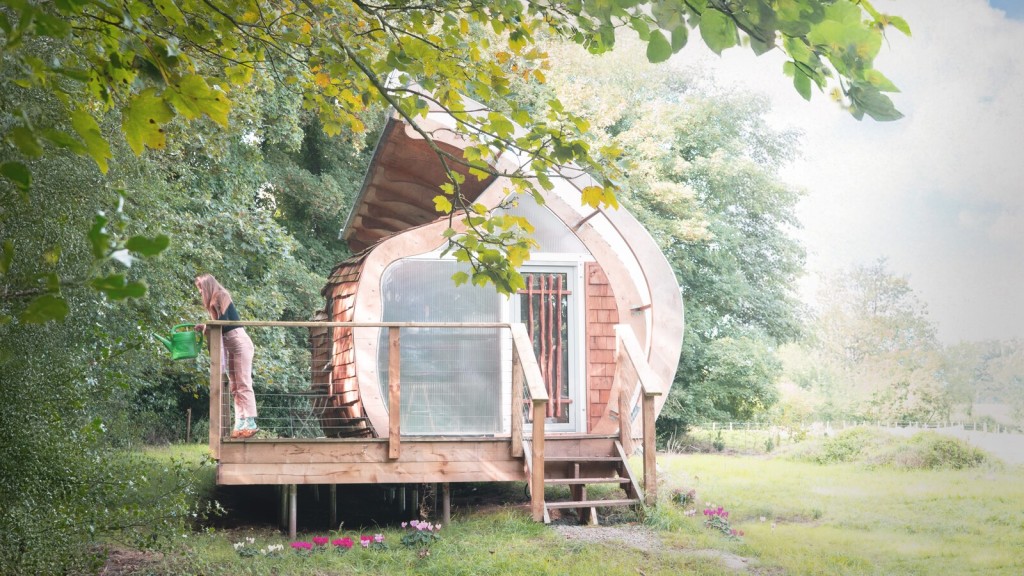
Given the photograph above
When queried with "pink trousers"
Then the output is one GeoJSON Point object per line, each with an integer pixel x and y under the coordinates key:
{"type": "Point", "coordinates": [238, 351]}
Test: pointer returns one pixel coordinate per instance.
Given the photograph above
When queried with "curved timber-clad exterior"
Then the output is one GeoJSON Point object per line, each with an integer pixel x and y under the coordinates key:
{"type": "Point", "coordinates": [594, 270]}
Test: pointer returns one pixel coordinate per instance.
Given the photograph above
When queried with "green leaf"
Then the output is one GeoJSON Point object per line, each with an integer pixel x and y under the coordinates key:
{"type": "Point", "coordinates": [193, 97]}
{"type": "Point", "coordinates": [117, 287]}
{"type": "Point", "coordinates": [143, 120]}
{"type": "Point", "coordinates": [145, 246]}
{"type": "Point", "coordinates": [718, 30]}
{"type": "Point", "coordinates": [18, 173]}
{"type": "Point", "coordinates": [868, 100]}
{"type": "Point", "coordinates": [899, 24]}
{"type": "Point", "coordinates": [658, 49]}
{"type": "Point", "coordinates": [460, 278]}
{"type": "Point", "coordinates": [802, 83]}
{"type": "Point", "coordinates": [592, 196]}
{"type": "Point", "coordinates": [98, 237]}
{"type": "Point", "coordinates": [96, 145]}
{"type": "Point", "coordinates": [878, 80]}
{"type": "Point", "coordinates": [442, 204]}
{"type": "Point", "coordinates": [44, 308]}
{"type": "Point", "coordinates": [679, 37]}
{"type": "Point", "coordinates": [26, 142]}
{"type": "Point", "coordinates": [64, 140]}
{"type": "Point", "coordinates": [170, 11]}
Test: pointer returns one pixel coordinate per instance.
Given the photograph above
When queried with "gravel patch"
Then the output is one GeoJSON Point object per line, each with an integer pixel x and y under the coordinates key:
{"type": "Point", "coordinates": [634, 535]}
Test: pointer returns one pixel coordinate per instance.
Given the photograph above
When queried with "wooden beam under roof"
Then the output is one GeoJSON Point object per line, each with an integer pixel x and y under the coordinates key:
{"type": "Point", "coordinates": [400, 185]}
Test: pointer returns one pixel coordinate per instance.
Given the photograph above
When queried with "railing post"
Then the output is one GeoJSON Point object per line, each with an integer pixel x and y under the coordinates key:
{"type": "Point", "coordinates": [394, 394]}
{"type": "Point", "coordinates": [517, 404]}
{"type": "Point", "coordinates": [625, 421]}
{"type": "Point", "coordinates": [537, 482]}
{"type": "Point", "coordinates": [650, 446]}
{"type": "Point", "coordinates": [213, 333]}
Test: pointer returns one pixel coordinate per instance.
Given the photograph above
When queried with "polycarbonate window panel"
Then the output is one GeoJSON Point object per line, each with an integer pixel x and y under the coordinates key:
{"type": "Point", "coordinates": [551, 233]}
{"type": "Point", "coordinates": [450, 377]}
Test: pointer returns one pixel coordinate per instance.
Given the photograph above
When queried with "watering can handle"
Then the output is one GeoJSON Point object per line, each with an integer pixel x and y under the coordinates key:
{"type": "Point", "coordinates": [190, 327]}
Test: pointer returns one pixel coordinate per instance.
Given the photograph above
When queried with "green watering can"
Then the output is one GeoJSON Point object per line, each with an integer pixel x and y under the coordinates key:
{"type": "Point", "coordinates": [183, 344]}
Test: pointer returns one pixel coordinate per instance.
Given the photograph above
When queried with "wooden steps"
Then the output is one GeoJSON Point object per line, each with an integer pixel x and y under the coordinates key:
{"type": "Point", "coordinates": [600, 480]}
{"type": "Point", "coordinates": [591, 503]}
{"type": "Point", "coordinates": [580, 461]}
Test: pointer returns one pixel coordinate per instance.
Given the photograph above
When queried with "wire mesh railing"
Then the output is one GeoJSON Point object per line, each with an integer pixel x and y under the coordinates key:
{"type": "Point", "coordinates": [306, 385]}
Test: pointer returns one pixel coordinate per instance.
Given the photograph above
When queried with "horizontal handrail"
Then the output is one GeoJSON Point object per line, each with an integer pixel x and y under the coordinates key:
{"type": "Point", "coordinates": [531, 371]}
{"type": "Point", "coordinates": [649, 383]}
{"type": "Point", "coordinates": [304, 324]}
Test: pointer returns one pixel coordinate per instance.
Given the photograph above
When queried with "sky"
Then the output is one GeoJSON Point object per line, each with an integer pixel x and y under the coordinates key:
{"type": "Point", "coordinates": [938, 193]}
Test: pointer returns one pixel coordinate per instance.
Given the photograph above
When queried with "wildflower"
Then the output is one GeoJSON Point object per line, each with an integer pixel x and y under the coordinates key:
{"type": "Point", "coordinates": [238, 545]}
{"type": "Point", "coordinates": [378, 538]}
{"type": "Point", "coordinates": [299, 546]}
{"type": "Point", "coordinates": [320, 540]}
{"type": "Point", "coordinates": [250, 540]}
{"type": "Point", "coordinates": [763, 518]}
{"type": "Point", "coordinates": [364, 541]}
{"type": "Point", "coordinates": [343, 543]}
{"type": "Point", "coordinates": [404, 524]}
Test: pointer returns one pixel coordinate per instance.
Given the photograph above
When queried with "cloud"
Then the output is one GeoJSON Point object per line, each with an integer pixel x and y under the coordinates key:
{"type": "Point", "coordinates": [939, 192]}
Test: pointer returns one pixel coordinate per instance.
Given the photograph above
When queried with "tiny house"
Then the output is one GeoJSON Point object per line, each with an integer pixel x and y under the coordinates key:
{"type": "Point", "coordinates": [421, 381]}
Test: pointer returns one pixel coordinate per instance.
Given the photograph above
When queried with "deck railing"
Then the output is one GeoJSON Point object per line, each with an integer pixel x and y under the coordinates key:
{"type": "Point", "coordinates": [637, 387]}
{"type": "Point", "coordinates": [637, 379]}
{"type": "Point", "coordinates": [528, 389]}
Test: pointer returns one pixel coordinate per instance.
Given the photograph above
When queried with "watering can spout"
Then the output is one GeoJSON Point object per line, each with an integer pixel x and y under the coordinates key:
{"type": "Point", "coordinates": [164, 341]}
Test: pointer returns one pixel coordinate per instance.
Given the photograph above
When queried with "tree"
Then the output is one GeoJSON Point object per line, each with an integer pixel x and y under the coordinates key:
{"type": "Point", "coordinates": [154, 62]}
{"type": "Point", "coordinates": [704, 180]}
{"type": "Point", "coordinates": [873, 333]}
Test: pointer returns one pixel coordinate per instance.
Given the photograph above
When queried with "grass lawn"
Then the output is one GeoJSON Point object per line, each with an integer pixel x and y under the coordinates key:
{"type": "Point", "coordinates": [843, 519]}
{"type": "Point", "coordinates": [848, 519]}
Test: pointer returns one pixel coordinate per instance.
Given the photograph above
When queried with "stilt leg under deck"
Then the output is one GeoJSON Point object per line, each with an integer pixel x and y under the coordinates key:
{"type": "Point", "coordinates": [292, 509]}
{"type": "Point", "coordinates": [446, 504]}
{"type": "Point", "coordinates": [334, 506]}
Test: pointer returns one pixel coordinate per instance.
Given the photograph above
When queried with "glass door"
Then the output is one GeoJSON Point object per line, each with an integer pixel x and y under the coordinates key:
{"type": "Point", "coordinates": [547, 307]}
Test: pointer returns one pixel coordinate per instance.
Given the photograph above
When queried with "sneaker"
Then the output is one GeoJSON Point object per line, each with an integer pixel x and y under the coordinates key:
{"type": "Point", "coordinates": [246, 433]}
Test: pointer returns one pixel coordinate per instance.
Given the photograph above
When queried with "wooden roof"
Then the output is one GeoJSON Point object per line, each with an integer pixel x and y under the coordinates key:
{"type": "Point", "coordinates": [400, 185]}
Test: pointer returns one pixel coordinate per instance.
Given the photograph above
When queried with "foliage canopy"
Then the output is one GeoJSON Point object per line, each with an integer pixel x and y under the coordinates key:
{"type": "Point", "coordinates": [155, 61]}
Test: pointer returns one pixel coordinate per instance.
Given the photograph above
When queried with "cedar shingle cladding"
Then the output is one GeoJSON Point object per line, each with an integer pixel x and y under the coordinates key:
{"type": "Point", "coordinates": [602, 316]}
{"type": "Point", "coordinates": [341, 295]}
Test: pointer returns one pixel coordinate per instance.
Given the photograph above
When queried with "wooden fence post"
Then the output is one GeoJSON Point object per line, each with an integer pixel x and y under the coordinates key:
{"type": "Point", "coordinates": [394, 394]}
{"type": "Point", "coordinates": [216, 389]}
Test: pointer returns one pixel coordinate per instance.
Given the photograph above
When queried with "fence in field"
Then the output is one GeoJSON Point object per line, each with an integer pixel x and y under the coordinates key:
{"type": "Point", "coordinates": [761, 437]}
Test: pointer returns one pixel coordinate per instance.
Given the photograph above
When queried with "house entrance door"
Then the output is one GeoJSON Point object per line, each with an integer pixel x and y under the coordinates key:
{"type": "Point", "coordinates": [547, 306]}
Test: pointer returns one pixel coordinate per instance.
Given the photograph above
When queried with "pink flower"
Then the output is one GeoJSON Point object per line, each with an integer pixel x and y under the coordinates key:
{"type": "Point", "coordinates": [345, 543]}
{"type": "Point", "coordinates": [302, 545]}
{"type": "Point", "coordinates": [320, 540]}
{"type": "Point", "coordinates": [378, 538]}
{"type": "Point", "coordinates": [437, 527]}
{"type": "Point", "coordinates": [404, 524]}
{"type": "Point", "coordinates": [364, 541]}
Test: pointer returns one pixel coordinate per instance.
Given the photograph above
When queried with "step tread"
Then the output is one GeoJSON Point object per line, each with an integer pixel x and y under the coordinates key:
{"type": "Point", "coordinates": [591, 503]}
{"type": "Point", "coordinates": [582, 459]}
{"type": "Point", "coordinates": [600, 480]}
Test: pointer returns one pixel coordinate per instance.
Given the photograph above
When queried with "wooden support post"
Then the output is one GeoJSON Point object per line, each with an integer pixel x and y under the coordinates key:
{"type": "Point", "coordinates": [334, 506]}
{"type": "Point", "coordinates": [446, 504]}
{"type": "Point", "coordinates": [394, 395]}
{"type": "Point", "coordinates": [293, 509]}
{"type": "Point", "coordinates": [517, 405]}
{"type": "Point", "coordinates": [414, 507]}
{"type": "Point", "coordinates": [216, 389]}
{"type": "Point", "coordinates": [188, 426]}
{"type": "Point", "coordinates": [282, 506]}
{"type": "Point", "coordinates": [650, 451]}
{"type": "Point", "coordinates": [625, 421]}
{"type": "Point", "coordinates": [537, 482]}
{"type": "Point", "coordinates": [401, 498]}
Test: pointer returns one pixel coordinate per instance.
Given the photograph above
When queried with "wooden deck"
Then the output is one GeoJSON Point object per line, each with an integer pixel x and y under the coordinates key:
{"type": "Point", "coordinates": [524, 452]}
{"type": "Point", "coordinates": [366, 461]}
